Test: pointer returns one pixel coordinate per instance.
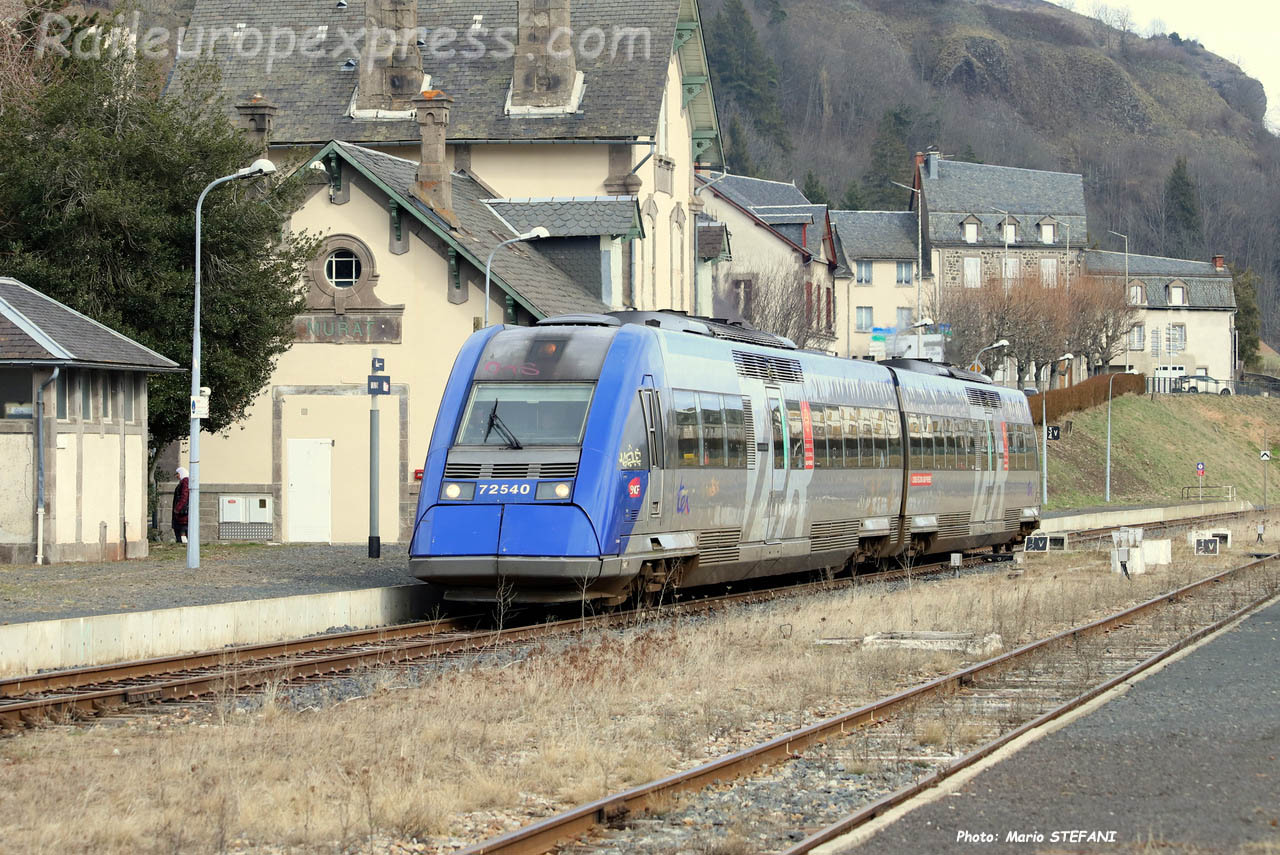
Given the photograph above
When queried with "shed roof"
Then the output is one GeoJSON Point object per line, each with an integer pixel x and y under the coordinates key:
{"type": "Point", "coordinates": [573, 216]}
{"type": "Point", "coordinates": [37, 328]}
{"type": "Point", "coordinates": [875, 234]}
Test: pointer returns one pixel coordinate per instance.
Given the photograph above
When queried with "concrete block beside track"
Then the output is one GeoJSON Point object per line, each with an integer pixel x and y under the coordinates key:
{"type": "Point", "coordinates": [26, 648]}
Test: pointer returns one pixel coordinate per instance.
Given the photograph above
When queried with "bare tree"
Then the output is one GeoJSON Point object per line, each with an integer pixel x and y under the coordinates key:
{"type": "Point", "coordinates": [22, 73]}
{"type": "Point", "coordinates": [779, 301]}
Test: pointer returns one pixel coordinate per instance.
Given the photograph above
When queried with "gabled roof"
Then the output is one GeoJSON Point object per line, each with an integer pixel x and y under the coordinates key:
{"type": "Point", "coordinates": [313, 88]}
{"type": "Point", "coordinates": [754, 192]}
{"type": "Point", "coordinates": [875, 234]}
{"type": "Point", "coordinates": [713, 239]}
{"type": "Point", "coordinates": [519, 270]}
{"type": "Point", "coordinates": [35, 328]}
{"type": "Point", "coordinates": [1113, 264]}
{"type": "Point", "coordinates": [573, 216]}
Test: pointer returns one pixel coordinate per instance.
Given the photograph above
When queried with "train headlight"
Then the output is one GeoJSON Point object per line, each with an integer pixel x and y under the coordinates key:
{"type": "Point", "coordinates": [459, 492]}
{"type": "Point", "coordinates": [549, 491]}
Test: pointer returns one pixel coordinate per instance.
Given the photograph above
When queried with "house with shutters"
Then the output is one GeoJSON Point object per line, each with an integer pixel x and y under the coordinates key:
{"type": "Point", "coordinates": [1186, 316]}
{"type": "Point", "coordinates": [475, 124]}
{"type": "Point", "coordinates": [780, 273]}
{"type": "Point", "coordinates": [876, 280]}
{"type": "Point", "coordinates": [985, 223]}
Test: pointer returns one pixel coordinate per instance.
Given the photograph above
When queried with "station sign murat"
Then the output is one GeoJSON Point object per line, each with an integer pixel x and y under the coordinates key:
{"type": "Point", "coordinates": [350, 328]}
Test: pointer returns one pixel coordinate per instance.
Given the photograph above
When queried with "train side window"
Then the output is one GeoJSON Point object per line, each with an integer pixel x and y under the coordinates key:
{"type": "Point", "coordinates": [895, 438]}
{"type": "Point", "coordinates": [818, 416]}
{"type": "Point", "coordinates": [881, 438]}
{"type": "Point", "coordinates": [795, 429]}
{"type": "Point", "coordinates": [779, 434]}
{"type": "Point", "coordinates": [849, 418]}
{"type": "Point", "coordinates": [953, 453]}
{"type": "Point", "coordinates": [688, 431]}
{"type": "Point", "coordinates": [735, 433]}
{"type": "Point", "coordinates": [713, 434]}
{"type": "Point", "coordinates": [965, 445]}
{"type": "Point", "coordinates": [913, 441]}
{"type": "Point", "coordinates": [1017, 455]}
{"type": "Point", "coordinates": [835, 438]}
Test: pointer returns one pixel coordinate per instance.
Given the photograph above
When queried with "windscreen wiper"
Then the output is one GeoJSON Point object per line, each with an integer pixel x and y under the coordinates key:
{"type": "Point", "coordinates": [505, 432]}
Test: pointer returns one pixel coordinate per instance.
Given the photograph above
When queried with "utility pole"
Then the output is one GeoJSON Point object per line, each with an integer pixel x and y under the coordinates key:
{"type": "Point", "coordinates": [379, 385]}
{"type": "Point", "coordinates": [1266, 447]}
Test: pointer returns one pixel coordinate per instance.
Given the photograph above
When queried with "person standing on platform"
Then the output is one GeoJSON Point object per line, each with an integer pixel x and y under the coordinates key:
{"type": "Point", "coordinates": [181, 498]}
{"type": "Point", "coordinates": [1262, 527]}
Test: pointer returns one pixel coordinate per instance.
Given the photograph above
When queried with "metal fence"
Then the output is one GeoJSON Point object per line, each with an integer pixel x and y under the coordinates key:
{"type": "Point", "coordinates": [1216, 493]}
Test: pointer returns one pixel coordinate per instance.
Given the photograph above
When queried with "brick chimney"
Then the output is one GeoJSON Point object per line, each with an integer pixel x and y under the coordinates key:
{"type": "Point", "coordinates": [1220, 262]}
{"type": "Point", "coordinates": [390, 64]}
{"type": "Point", "coordinates": [546, 69]}
{"type": "Point", "coordinates": [434, 184]}
{"type": "Point", "coordinates": [257, 117]}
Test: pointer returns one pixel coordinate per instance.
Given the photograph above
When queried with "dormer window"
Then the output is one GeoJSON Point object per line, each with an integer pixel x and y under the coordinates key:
{"type": "Point", "coordinates": [1137, 294]}
{"type": "Point", "coordinates": [1177, 295]}
{"type": "Point", "coordinates": [970, 232]}
{"type": "Point", "coordinates": [1047, 233]}
{"type": "Point", "coordinates": [1010, 233]}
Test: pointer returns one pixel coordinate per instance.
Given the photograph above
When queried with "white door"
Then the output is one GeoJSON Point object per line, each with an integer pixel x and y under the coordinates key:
{"type": "Point", "coordinates": [308, 500]}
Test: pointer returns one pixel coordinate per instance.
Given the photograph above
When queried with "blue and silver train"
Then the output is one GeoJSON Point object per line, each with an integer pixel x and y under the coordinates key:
{"type": "Point", "coordinates": [610, 456]}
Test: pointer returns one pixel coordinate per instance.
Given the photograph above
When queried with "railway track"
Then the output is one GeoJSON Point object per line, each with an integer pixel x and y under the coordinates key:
{"type": "Point", "coordinates": [87, 692]}
{"type": "Point", "coordinates": [827, 779]}
{"type": "Point", "coordinates": [82, 693]}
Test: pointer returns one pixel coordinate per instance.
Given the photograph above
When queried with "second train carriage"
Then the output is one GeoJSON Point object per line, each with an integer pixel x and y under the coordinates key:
{"type": "Point", "coordinates": [597, 456]}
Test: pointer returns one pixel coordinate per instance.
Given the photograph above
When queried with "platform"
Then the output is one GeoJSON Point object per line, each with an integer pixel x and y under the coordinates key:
{"type": "Point", "coordinates": [1186, 760]}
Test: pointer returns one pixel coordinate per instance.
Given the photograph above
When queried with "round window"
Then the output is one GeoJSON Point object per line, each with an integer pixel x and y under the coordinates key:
{"type": "Point", "coordinates": [342, 269]}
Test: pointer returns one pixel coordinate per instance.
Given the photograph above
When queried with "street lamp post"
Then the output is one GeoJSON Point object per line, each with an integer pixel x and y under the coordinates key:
{"type": "Point", "coordinates": [533, 234]}
{"type": "Point", "coordinates": [1004, 342]}
{"type": "Point", "coordinates": [1044, 432]}
{"type": "Point", "coordinates": [255, 170]}
{"type": "Point", "coordinates": [1110, 383]}
{"type": "Point", "coordinates": [919, 264]}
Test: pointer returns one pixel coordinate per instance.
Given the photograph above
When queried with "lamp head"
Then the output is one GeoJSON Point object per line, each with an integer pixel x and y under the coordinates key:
{"type": "Point", "coordinates": [923, 322]}
{"type": "Point", "coordinates": [258, 168]}
{"type": "Point", "coordinates": [1004, 342]}
{"type": "Point", "coordinates": [318, 166]}
{"type": "Point", "coordinates": [1066, 357]}
{"type": "Point", "coordinates": [536, 233]}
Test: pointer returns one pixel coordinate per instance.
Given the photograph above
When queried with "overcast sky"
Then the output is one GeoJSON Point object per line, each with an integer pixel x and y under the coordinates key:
{"type": "Point", "coordinates": [1247, 32]}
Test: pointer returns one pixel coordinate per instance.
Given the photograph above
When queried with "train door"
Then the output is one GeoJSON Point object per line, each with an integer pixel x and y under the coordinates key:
{"type": "Point", "coordinates": [987, 455]}
{"type": "Point", "coordinates": [651, 404]}
{"type": "Point", "coordinates": [779, 464]}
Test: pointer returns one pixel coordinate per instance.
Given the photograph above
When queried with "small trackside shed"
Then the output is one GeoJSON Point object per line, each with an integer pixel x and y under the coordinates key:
{"type": "Point", "coordinates": [73, 433]}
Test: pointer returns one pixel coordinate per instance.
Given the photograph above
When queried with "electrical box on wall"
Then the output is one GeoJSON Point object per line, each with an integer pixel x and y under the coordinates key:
{"type": "Point", "coordinates": [231, 509]}
{"type": "Point", "coordinates": [246, 517]}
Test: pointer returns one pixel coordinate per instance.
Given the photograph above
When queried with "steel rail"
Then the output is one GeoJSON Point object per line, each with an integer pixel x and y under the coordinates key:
{"type": "Point", "coordinates": [878, 808]}
{"type": "Point", "coordinates": [542, 836]}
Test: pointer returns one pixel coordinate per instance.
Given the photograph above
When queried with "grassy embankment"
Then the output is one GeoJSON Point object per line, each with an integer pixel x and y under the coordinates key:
{"type": "Point", "coordinates": [1155, 446]}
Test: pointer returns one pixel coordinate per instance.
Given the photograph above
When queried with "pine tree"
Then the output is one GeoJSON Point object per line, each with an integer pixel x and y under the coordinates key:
{"type": "Point", "coordinates": [1186, 229]}
{"type": "Point", "coordinates": [814, 191]}
{"type": "Point", "coordinates": [736, 154]}
{"type": "Point", "coordinates": [852, 199]}
{"type": "Point", "coordinates": [1248, 319]}
{"type": "Point", "coordinates": [890, 160]}
{"type": "Point", "coordinates": [744, 73]}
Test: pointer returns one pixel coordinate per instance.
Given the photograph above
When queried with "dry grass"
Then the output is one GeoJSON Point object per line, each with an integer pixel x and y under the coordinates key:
{"type": "Point", "coordinates": [468, 753]}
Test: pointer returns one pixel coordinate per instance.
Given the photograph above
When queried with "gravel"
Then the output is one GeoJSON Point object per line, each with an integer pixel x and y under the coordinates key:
{"type": "Point", "coordinates": [228, 573]}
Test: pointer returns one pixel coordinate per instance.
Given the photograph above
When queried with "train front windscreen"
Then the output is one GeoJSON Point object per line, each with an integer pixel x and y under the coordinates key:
{"type": "Point", "coordinates": [515, 415]}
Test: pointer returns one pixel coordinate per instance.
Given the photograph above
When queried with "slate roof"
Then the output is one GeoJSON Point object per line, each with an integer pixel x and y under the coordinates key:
{"type": "Point", "coordinates": [314, 92]}
{"type": "Point", "coordinates": [984, 191]}
{"type": "Point", "coordinates": [754, 192]}
{"type": "Point", "coordinates": [1201, 293]}
{"type": "Point", "coordinates": [572, 216]}
{"type": "Point", "coordinates": [1113, 263]}
{"type": "Point", "coordinates": [713, 238]}
{"type": "Point", "coordinates": [520, 269]}
{"type": "Point", "coordinates": [874, 234]}
{"type": "Point", "coordinates": [37, 328]}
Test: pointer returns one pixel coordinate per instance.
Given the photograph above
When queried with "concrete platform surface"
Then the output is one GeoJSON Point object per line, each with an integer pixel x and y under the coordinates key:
{"type": "Point", "coordinates": [1187, 760]}
{"type": "Point", "coordinates": [228, 573]}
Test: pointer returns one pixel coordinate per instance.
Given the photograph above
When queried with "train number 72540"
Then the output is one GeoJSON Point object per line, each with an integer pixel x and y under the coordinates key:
{"type": "Point", "coordinates": [505, 489]}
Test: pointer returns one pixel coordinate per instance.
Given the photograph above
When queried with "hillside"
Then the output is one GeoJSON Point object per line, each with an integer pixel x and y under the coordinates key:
{"type": "Point", "coordinates": [859, 85]}
{"type": "Point", "coordinates": [1156, 446]}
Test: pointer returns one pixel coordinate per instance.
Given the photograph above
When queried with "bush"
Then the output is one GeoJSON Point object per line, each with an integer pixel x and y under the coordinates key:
{"type": "Point", "coordinates": [1090, 393]}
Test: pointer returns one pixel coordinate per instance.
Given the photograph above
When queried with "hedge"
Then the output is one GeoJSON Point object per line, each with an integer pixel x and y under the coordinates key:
{"type": "Point", "coordinates": [1090, 393]}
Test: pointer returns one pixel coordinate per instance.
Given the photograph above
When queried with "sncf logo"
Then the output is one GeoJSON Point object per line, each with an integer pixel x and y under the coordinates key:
{"type": "Point", "coordinates": [634, 488]}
